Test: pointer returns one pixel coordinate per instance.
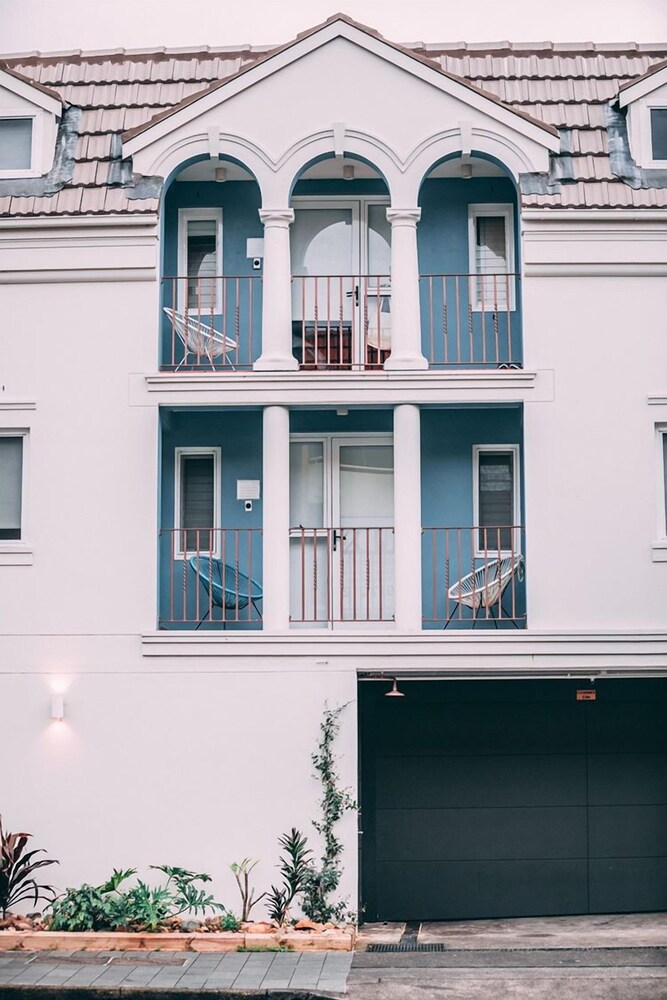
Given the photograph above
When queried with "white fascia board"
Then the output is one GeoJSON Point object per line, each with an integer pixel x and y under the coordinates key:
{"type": "Point", "coordinates": [642, 87]}
{"type": "Point", "coordinates": [32, 94]}
{"type": "Point", "coordinates": [376, 46]}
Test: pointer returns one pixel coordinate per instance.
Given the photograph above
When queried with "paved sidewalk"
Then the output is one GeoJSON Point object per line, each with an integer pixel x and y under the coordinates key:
{"type": "Point", "coordinates": [307, 972]}
{"type": "Point", "coordinates": [621, 957]}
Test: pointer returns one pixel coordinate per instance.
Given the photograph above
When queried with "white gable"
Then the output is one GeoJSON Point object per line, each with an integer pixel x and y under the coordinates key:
{"type": "Point", "coordinates": [341, 90]}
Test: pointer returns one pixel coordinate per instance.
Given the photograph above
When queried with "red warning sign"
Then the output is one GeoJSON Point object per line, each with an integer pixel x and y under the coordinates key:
{"type": "Point", "coordinates": [589, 695]}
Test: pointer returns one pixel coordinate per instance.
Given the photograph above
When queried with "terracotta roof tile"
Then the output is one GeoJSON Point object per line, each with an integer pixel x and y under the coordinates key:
{"type": "Point", "coordinates": [565, 85]}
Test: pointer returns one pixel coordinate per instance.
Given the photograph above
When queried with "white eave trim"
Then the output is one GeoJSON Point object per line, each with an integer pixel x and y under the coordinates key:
{"type": "Point", "coordinates": [384, 50]}
{"type": "Point", "coordinates": [642, 87]}
{"type": "Point", "coordinates": [33, 94]}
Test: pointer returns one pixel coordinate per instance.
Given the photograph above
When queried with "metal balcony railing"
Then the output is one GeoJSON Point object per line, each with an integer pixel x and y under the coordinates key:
{"type": "Point", "coordinates": [211, 323]}
{"type": "Point", "coordinates": [473, 576]}
{"type": "Point", "coordinates": [341, 322]}
{"type": "Point", "coordinates": [341, 575]}
{"type": "Point", "coordinates": [211, 577]}
{"type": "Point", "coordinates": [471, 320]}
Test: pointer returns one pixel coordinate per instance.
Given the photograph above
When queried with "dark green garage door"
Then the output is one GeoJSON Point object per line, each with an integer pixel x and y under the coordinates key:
{"type": "Point", "coordinates": [491, 799]}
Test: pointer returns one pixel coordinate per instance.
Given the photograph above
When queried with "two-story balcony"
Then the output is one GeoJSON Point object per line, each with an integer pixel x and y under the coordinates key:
{"type": "Point", "coordinates": [336, 558]}
{"type": "Point", "coordinates": [341, 287]}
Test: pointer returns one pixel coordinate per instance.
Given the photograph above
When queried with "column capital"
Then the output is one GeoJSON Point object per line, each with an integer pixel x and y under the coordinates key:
{"type": "Point", "coordinates": [279, 217]}
{"type": "Point", "coordinates": [404, 216]}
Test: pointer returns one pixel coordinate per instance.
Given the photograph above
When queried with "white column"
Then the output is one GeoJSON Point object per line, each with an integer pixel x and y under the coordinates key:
{"type": "Point", "coordinates": [276, 293]}
{"type": "Point", "coordinates": [275, 523]}
{"type": "Point", "coordinates": [407, 518]}
{"type": "Point", "coordinates": [406, 337]}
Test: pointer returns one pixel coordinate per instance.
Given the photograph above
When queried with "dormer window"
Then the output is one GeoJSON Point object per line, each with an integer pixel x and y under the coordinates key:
{"type": "Point", "coordinates": [659, 133]}
{"type": "Point", "coordinates": [16, 144]}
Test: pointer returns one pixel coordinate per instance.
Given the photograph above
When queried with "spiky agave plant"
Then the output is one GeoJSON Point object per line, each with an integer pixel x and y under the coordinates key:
{"type": "Point", "coordinates": [17, 871]}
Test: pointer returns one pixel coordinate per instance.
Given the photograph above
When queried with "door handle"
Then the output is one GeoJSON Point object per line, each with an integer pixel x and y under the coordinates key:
{"type": "Point", "coordinates": [338, 536]}
{"type": "Point", "coordinates": [355, 292]}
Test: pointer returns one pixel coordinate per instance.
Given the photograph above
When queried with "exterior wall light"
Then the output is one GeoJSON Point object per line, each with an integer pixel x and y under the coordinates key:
{"type": "Point", "coordinates": [394, 693]}
{"type": "Point", "coordinates": [57, 706]}
{"type": "Point", "coordinates": [221, 174]}
{"type": "Point", "coordinates": [348, 171]}
{"type": "Point", "coordinates": [466, 171]}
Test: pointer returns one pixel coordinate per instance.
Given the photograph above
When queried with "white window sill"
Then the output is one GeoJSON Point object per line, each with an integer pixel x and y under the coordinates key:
{"type": "Point", "coordinates": [15, 554]}
{"type": "Point", "coordinates": [659, 550]}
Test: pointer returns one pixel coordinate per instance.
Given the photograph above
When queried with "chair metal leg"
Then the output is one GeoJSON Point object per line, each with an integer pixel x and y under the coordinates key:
{"type": "Point", "coordinates": [450, 618]}
{"type": "Point", "coordinates": [493, 617]}
{"type": "Point", "coordinates": [254, 604]}
{"type": "Point", "coordinates": [203, 619]}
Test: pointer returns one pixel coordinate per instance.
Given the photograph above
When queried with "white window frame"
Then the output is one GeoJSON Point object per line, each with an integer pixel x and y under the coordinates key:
{"type": "Point", "coordinates": [18, 546]}
{"type": "Point", "coordinates": [35, 145]}
{"type": "Point", "coordinates": [649, 160]}
{"type": "Point", "coordinates": [477, 450]}
{"type": "Point", "coordinates": [204, 451]}
{"type": "Point", "coordinates": [186, 215]}
{"type": "Point", "coordinates": [503, 210]}
{"type": "Point", "coordinates": [659, 546]}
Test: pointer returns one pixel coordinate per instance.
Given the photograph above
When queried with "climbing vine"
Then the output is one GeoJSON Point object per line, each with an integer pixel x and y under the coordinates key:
{"type": "Point", "coordinates": [323, 879]}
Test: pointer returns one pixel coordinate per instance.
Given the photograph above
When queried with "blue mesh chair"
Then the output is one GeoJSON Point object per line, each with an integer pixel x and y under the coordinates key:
{"type": "Point", "coordinates": [226, 587]}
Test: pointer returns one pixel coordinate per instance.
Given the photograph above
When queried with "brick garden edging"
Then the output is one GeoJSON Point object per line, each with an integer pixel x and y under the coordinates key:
{"type": "Point", "coordinates": [336, 940]}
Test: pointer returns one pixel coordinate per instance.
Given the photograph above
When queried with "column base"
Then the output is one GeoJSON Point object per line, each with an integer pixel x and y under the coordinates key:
{"type": "Point", "coordinates": [406, 362]}
{"type": "Point", "coordinates": [276, 363]}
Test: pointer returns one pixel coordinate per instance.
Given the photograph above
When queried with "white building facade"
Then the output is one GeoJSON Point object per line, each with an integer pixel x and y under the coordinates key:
{"type": "Point", "coordinates": [324, 366]}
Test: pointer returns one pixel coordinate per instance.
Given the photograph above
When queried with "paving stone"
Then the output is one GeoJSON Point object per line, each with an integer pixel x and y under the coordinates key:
{"type": "Point", "coordinates": [280, 973]}
{"type": "Point", "coordinates": [254, 971]}
{"type": "Point", "coordinates": [60, 975]}
{"type": "Point", "coordinates": [140, 975]}
{"type": "Point", "coordinates": [113, 975]}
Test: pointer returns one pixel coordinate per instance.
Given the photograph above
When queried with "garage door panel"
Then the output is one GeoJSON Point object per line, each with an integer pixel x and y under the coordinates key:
{"type": "Point", "coordinates": [475, 890]}
{"type": "Point", "coordinates": [627, 885]}
{"type": "Point", "coordinates": [630, 778]}
{"type": "Point", "coordinates": [628, 831]}
{"type": "Point", "coordinates": [465, 834]}
{"type": "Point", "coordinates": [520, 780]}
{"type": "Point", "coordinates": [470, 729]}
{"type": "Point", "coordinates": [635, 727]}
{"type": "Point", "coordinates": [501, 799]}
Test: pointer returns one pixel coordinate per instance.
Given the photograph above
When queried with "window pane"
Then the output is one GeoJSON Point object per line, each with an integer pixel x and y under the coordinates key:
{"type": "Point", "coordinates": [306, 484]}
{"type": "Point", "coordinates": [11, 474]}
{"type": "Point", "coordinates": [15, 143]}
{"type": "Point", "coordinates": [659, 133]}
{"type": "Point", "coordinates": [202, 263]}
{"type": "Point", "coordinates": [379, 241]}
{"type": "Point", "coordinates": [496, 499]}
{"type": "Point", "coordinates": [197, 499]}
{"type": "Point", "coordinates": [491, 257]}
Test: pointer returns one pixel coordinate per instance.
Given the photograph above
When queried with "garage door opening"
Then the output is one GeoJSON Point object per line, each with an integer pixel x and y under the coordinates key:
{"type": "Point", "coordinates": [513, 798]}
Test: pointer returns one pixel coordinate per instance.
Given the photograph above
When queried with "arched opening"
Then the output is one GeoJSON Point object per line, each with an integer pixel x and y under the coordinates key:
{"type": "Point", "coordinates": [340, 244]}
{"type": "Point", "coordinates": [211, 267]}
{"type": "Point", "coordinates": [468, 242]}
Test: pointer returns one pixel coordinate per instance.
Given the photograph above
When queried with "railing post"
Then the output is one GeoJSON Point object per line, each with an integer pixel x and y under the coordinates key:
{"type": "Point", "coordinates": [275, 509]}
{"type": "Point", "coordinates": [406, 334]}
{"type": "Point", "coordinates": [276, 293]}
{"type": "Point", "coordinates": [407, 518]}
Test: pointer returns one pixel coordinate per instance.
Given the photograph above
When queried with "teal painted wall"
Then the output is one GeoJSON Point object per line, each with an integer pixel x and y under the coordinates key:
{"type": "Point", "coordinates": [448, 436]}
{"type": "Point", "coordinates": [442, 235]}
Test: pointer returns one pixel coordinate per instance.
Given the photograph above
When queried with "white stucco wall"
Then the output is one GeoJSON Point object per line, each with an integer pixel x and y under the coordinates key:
{"type": "Point", "coordinates": [594, 312]}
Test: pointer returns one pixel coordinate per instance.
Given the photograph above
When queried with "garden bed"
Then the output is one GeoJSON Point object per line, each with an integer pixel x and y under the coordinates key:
{"type": "Point", "coordinates": [338, 939]}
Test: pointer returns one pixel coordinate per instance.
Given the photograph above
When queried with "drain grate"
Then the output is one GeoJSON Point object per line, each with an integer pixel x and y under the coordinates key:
{"type": "Point", "coordinates": [404, 946]}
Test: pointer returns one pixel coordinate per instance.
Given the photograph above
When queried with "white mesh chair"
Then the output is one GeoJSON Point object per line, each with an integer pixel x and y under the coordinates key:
{"type": "Point", "coordinates": [484, 587]}
{"type": "Point", "coordinates": [199, 340]}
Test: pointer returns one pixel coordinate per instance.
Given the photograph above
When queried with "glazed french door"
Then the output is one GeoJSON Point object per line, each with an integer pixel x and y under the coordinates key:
{"type": "Point", "coordinates": [342, 537]}
{"type": "Point", "coordinates": [340, 253]}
